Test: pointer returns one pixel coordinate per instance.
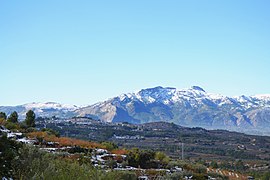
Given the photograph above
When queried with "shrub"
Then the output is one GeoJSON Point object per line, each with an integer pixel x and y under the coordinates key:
{"type": "Point", "coordinates": [109, 145]}
{"type": "Point", "coordinates": [119, 151]}
{"type": "Point", "coordinates": [63, 141]}
{"type": "Point", "coordinates": [118, 175]}
{"type": "Point", "coordinates": [12, 126]}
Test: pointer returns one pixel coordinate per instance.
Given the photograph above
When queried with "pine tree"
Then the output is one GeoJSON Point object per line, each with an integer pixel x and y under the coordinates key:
{"type": "Point", "coordinates": [30, 119]}
{"type": "Point", "coordinates": [3, 115]}
{"type": "Point", "coordinates": [13, 117]}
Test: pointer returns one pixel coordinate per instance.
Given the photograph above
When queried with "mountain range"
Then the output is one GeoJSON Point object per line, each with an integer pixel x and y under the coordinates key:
{"type": "Point", "coordinates": [191, 107]}
{"type": "Point", "coordinates": [47, 109]}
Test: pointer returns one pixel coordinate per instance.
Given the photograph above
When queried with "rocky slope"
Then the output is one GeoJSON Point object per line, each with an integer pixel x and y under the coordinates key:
{"type": "Point", "coordinates": [188, 107]}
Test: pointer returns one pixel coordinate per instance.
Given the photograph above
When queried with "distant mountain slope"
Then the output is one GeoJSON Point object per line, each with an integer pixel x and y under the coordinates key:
{"type": "Point", "coordinates": [48, 109]}
{"type": "Point", "coordinates": [192, 107]}
{"type": "Point", "coordinates": [188, 107]}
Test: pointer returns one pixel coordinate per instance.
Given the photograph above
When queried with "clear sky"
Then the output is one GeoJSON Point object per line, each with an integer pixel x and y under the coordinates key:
{"type": "Point", "coordinates": [81, 52]}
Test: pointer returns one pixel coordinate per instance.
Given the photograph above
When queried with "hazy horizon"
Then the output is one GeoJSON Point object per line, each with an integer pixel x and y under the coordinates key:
{"type": "Point", "coordinates": [85, 52]}
{"type": "Point", "coordinates": [87, 104]}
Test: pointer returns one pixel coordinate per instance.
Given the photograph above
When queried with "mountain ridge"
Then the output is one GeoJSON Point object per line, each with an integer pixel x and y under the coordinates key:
{"type": "Point", "coordinates": [188, 107]}
{"type": "Point", "coordinates": [41, 109]}
{"type": "Point", "coordinates": [191, 107]}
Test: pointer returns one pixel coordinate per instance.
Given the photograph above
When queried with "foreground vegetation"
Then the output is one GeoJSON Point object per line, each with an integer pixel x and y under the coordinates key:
{"type": "Point", "coordinates": [22, 161]}
{"type": "Point", "coordinates": [27, 162]}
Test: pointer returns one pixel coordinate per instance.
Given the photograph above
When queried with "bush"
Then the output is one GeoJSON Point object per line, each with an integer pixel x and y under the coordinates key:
{"type": "Point", "coordinates": [30, 129]}
{"type": "Point", "coordinates": [118, 175]}
{"type": "Point", "coordinates": [200, 176]}
{"type": "Point", "coordinates": [31, 163]}
{"type": "Point", "coordinates": [12, 126]}
{"type": "Point", "coordinates": [111, 164]}
{"type": "Point", "coordinates": [51, 132]}
{"type": "Point", "coordinates": [142, 158]}
{"type": "Point", "coordinates": [23, 125]}
{"type": "Point", "coordinates": [2, 121]}
{"type": "Point", "coordinates": [162, 158]}
{"type": "Point", "coordinates": [199, 168]}
{"type": "Point", "coordinates": [109, 145]}
{"type": "Point", "coordinates": [174, 176]}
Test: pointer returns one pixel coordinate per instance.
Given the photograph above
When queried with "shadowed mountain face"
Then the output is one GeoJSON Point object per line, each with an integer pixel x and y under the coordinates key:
{"type": "Point", "coordinates": [192, 107]}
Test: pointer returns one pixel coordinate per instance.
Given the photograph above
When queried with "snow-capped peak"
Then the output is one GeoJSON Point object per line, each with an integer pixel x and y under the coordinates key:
{"type": "Point", "coordinates": [194, 95]}
{"type": "Point", "coordinates": [262, 96]}
{"type": "Point", "coordinates": [49, 105]}
{"type": "Point", "coordinates": [163, 95]}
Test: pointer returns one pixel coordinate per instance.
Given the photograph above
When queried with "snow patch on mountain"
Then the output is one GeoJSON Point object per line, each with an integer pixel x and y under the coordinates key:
{"type": "Point", "coordinates": [50, 105]}
{"type": "Point", "coordinates": [194, 95]}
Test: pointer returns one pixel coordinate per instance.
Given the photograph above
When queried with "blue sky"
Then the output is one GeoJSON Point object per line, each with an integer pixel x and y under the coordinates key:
{"type": "Point", "coordinates": [82, 52]}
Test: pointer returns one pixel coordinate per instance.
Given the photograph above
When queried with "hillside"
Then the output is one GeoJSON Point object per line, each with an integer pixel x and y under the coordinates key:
{"type": "Point", "coordinates": [167, 137]}
{"type": "Point", "coordinates": [31, 154]}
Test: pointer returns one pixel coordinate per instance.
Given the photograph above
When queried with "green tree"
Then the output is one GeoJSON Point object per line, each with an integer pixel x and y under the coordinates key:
{"type": "Point", "coordinates": [214, 164]}
{"type": "Point", "coordinates": [141, 158]}
{"type": "Point", "coordinates": [13, 117]}
{"type": "Point", "coordinates": [9, 150]}
{"type": "Point", "coordinates": [3, 115]}
{"type": "Point", "coordinates": [109, 145]}
{"type": "Point", "coordinates": [161, 156]}
{"type": "Point", "coordinates": [51, 131]}
{"type": "Point", "coordinates": [30, 119]}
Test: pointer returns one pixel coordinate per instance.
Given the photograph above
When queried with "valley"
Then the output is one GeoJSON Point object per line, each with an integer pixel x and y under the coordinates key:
{"type": "Point", "coordinates": [167, 137]}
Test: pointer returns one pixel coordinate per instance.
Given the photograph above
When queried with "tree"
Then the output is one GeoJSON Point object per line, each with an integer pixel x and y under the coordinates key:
{"type": "Point", "coordinates": [9, 150]}
{"type": "Point", "coordinates": [30, 119]}
{"type": "Point", "coordinates": [13, 117]}
{"type": "Point", "coordinates": [143, 159]}
{"type": "Point", "coordinates": [214, 164]}
{"type": "Point", "coordinates": [3, 115]}
{"type": "Point", "coordinates": [109, 145]}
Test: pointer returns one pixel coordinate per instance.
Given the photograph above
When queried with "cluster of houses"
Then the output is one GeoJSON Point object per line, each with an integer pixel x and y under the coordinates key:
{"type": "Point", "coordinates": [128, 137]}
